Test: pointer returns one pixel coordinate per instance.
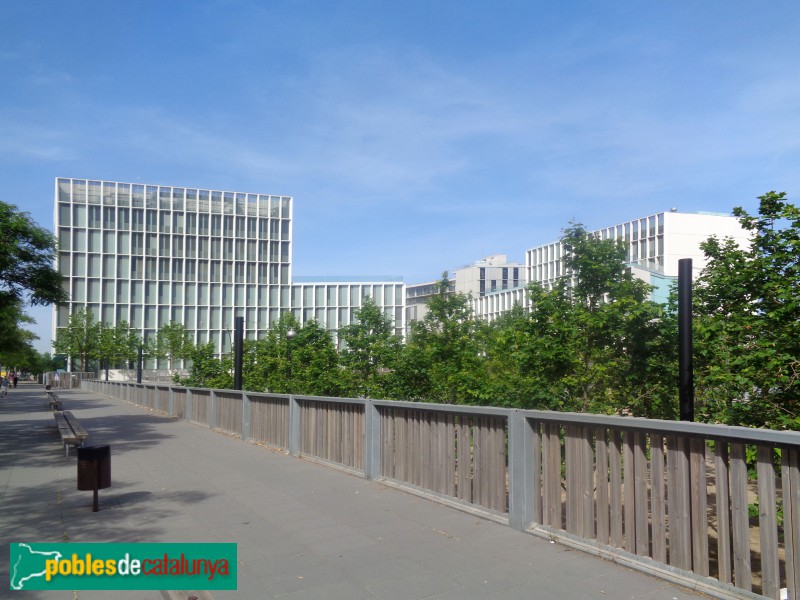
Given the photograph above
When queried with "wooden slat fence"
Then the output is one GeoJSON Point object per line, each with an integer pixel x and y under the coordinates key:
{"type": "Point", "coordinates": [179, 402]}
{"type": "Point", "coordinates": [717, 507]}
{"type": "Point", "coordinates": [150, 397]}
{"type": "Point", "coordinates": [688, 501]}
{"type": "Point", "coordinates": [229, 412]}
{"type": "Point", "coordinates": [454, 454]}
{"type": "Point", "coordinates": [139, 397]}
{"type": "Point", "coordinates": [269, 420]}
{"type": "Point", "coordinates": [333, 431]}
{"type": "Point", "coordinates": [161, 404]}
{"type": "Point", "coordinates": [201, 407]}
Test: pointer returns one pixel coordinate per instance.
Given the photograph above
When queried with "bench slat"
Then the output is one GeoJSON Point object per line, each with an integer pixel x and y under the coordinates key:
{"type": "Point", "coordinates": [71, 432]}
{"type": "Point", "coordinates": [54, 400]}
{"type": "Point", "coordinates": [64, 430]}
{"type": "Point", "coordinates": [77, 428]}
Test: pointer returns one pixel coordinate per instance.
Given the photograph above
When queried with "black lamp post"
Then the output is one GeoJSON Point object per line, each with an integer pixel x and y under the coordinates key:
{"type": "Point", "coordinates": [685, 359]}
{"type": "Point", "coordinates": [238, 352]}
{"type": "Point", "coordinates": [290, 335]}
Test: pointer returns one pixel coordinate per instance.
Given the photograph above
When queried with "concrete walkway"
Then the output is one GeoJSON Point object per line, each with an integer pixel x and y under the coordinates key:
{"type": "Point", "coordinates": [303, 530]}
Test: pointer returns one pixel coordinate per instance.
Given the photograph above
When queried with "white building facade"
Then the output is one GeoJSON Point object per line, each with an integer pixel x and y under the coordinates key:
{"type": "Point", "coordinates": [417, 297]}
{"type": "Point", "coordinates": [654, 243]}
{"type": "Point", "coordinates": [485, 276]}
{"type": "Point", "coordinates": [489, 274]}
{"type": "Point", "coordinates": [151, 254]}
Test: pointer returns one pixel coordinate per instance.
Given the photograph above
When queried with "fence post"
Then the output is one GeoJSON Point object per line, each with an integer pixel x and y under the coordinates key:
{"type": "Point", "coordinates": [189, 410]}
{"type": "Point", "coordinates": [212, 411]}
{"type": "Point", "coordinates": [171, 402]}
{"type": "Point", "coordinates": [294, 426]}
{"type": "Point", "coordinates": [520, 471]}
{"type": "Point", "coordinates": [245, 416]}
{"type": "Point", "coordinates": [372, 441]}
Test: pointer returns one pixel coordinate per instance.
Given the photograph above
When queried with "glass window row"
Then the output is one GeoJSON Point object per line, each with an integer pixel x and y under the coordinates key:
{"type": "Point", "coordinates": [165, 246]}
{"type": "Point", "coordinates": [177, 269]}
{"type": "Point", "coordinates": [151, 196]}
{"type": "Point", "coordinates": [132, 291]}
{"type": "Point", "coordinates": [138, 219]}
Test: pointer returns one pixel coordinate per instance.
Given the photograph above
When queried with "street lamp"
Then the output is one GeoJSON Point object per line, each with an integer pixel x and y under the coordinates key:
{"type": "Point", "coordinates": [289, 337]}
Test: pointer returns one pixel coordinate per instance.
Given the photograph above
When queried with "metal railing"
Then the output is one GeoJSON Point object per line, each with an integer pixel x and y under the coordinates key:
{"type": "Point", "coordinates": [711, 507]}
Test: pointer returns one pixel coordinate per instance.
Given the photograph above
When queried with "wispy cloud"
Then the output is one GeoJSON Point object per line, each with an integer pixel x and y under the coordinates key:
{"type": "Point", "coordinates": [22, 138]}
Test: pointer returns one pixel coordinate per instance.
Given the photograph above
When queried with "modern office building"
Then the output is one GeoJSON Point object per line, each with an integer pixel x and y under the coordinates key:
{"type": "Point", "coordinates": [655, 244]}
{"type": "Point", "coordinates": [417, 297]}
{"type": "Point", "coordinates": [489, 274]}
{"type": "Point", "coordinates": [476, 279]}
{"type": "Point", "coordinates": [151, 254]}
{"type": "Point", "coordinates": [333, 300]}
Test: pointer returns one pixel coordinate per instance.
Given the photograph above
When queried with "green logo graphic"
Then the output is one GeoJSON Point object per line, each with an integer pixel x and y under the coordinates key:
{"type": "Point", "coordinates": [28, 564]}
{"type": "Point", "coordinates": [122, 566]}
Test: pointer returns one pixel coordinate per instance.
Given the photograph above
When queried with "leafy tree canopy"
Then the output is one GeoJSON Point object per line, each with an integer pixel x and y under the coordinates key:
{"type": "Point", "coordinates": [27, 252]}
{"type": "Point", "coordinates": [207, 370]}
{"type": "Point", "coordinates": [171, 342]}
{"type": "Point", "coordinates": [80, 338]}
{"type": "Point", "coordinates": [587, 344]}
{"type": "Point", "coordinates": [444, 357]}
{"type": "Point", "coordinates": [370, 351]}
{"type": "Point", "coordinates": [747, 332]}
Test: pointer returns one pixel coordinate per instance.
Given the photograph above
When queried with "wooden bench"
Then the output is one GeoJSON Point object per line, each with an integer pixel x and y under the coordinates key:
{"type": "Point", "coordinates": [53, 401]}
{"type": "Point", "coordinates": [72, 433]}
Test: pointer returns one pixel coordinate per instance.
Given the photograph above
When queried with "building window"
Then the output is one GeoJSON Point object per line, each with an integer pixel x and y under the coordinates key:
{"type": "Point", "coordinates": [123, 194]}
{"type": "Point", "coordinates": [138, 219]}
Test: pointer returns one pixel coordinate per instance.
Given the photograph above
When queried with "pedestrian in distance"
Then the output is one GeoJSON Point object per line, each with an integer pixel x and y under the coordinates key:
{"type": "Point", "coordinates": [4, 386]}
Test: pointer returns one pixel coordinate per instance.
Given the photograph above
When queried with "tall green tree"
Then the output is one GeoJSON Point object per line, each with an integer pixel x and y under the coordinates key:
{"type": "Point", "coordinates": [314, 362]}
{"type": "Point", "coordinates": [588, 344]}
{"type": "Point", "coordinates": [21, 359]}
{"type": "Point", "coordinates": [16, 339]}
{"type": "Point", "coordinates": [532, 351]}
{"type": "Point", "coordinates": [27, 276]}
{"type": "Point", "coordinates": [171, 342]}
{"type": "Point", "coordinates": [208, 370]}
{"type": "Point", "coordinates": [509, 381]}
{"type": "Point", "coordinates": [616, 325]}
{"type": "Point", "coordinates": [118, 344]}
{"type": "Point", "coordinates": [304, 364]}
{"type": "Point", "coordinates": [80, 338]}
{"type": "Point", "coordinates": [27, 254]}
{"type": "Point", "coordinates": [370, 351]}
{"type": "Point", "coordinates": [444, 358]}
{"type": "Point", "coordinates": [747, 332]}
{"type": "Point", "coordinates": [266, 361]}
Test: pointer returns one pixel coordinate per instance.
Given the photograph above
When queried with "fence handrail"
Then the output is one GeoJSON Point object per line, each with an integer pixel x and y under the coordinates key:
{"type": "Point", "coordinates": [733, 433]}
{"type": "Point", "coordinates": [448, 408]}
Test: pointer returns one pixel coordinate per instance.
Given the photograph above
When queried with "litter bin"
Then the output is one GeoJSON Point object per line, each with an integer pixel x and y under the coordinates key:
{"type": "Point", "coordinates": [94, 470]}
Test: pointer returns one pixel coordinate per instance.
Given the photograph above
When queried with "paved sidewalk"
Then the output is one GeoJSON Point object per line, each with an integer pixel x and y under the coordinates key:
{"type": "Point", "coordinates": [303, 530]}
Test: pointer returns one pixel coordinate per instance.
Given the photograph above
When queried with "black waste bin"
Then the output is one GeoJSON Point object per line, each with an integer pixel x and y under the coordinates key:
{"type": "Point", "coordinates": [94, 467]}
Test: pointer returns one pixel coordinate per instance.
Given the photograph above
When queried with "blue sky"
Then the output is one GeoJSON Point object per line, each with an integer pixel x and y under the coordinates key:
{"type": "Point", "coordinates": [414, 136]}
